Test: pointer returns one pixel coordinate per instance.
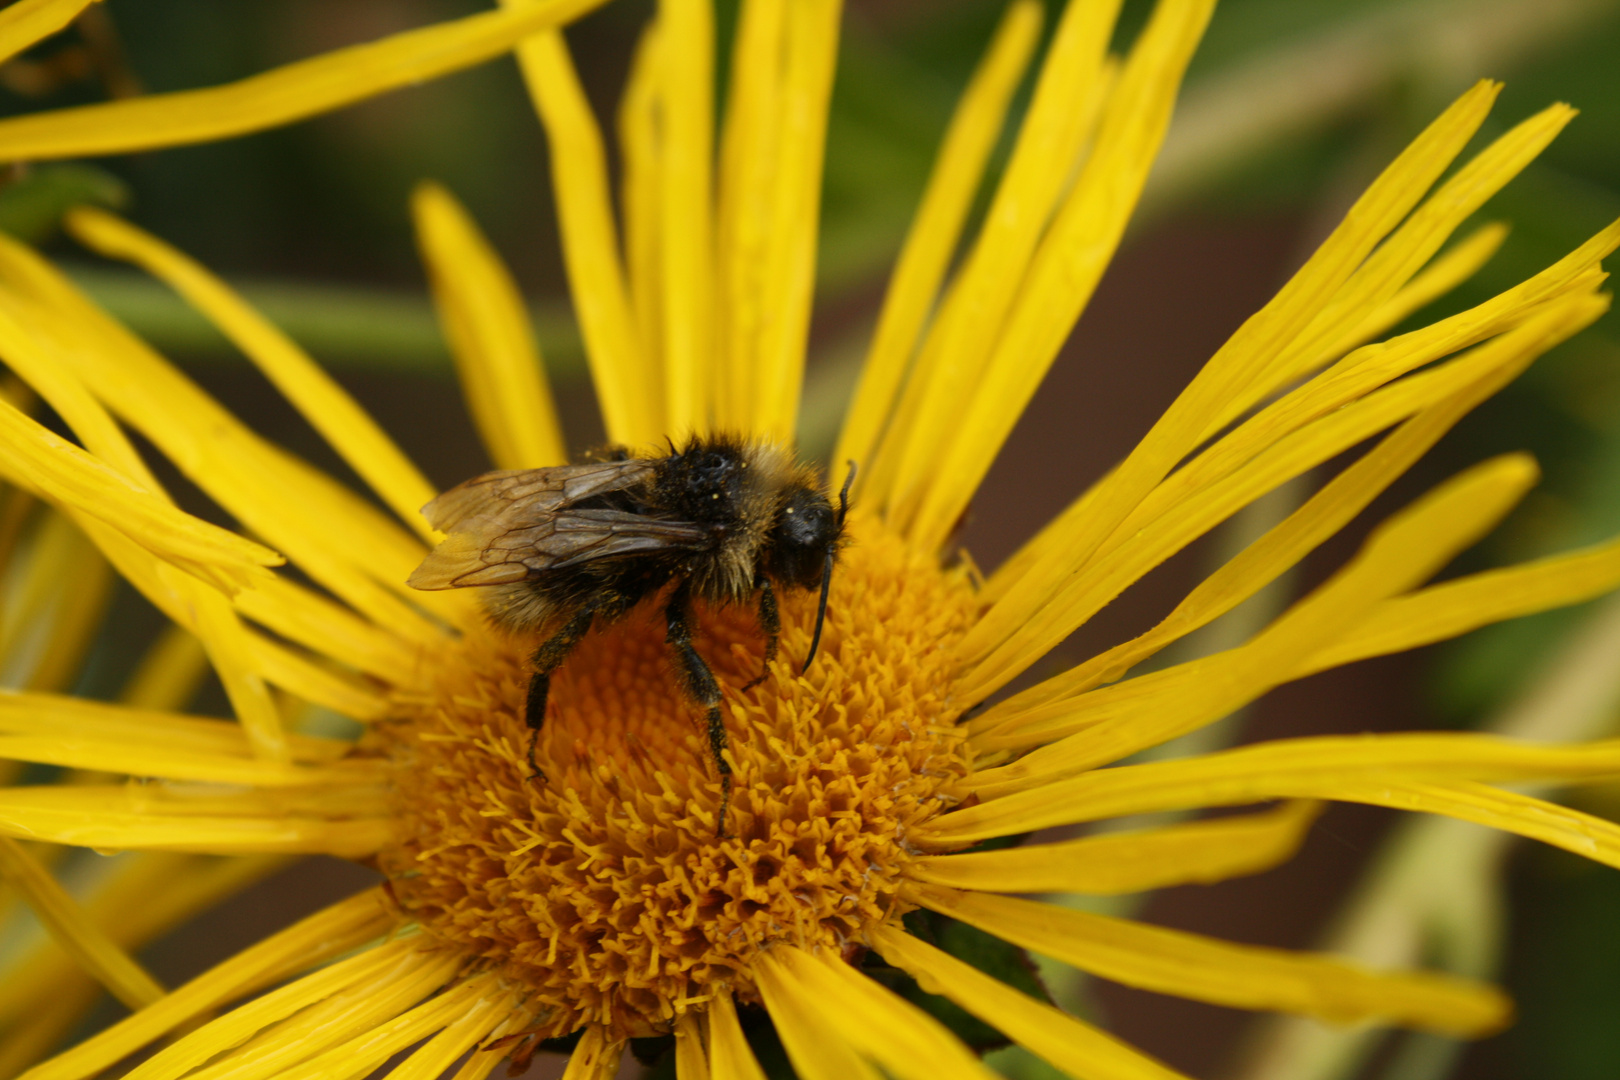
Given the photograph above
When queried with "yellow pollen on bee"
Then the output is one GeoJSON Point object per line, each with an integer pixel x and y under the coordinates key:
{"type": "Point", "coordinates": [604, 887]}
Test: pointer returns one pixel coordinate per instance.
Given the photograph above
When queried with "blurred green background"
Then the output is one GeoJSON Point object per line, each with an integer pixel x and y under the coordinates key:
{"type": "Point", "coordinates": [1290, 107]}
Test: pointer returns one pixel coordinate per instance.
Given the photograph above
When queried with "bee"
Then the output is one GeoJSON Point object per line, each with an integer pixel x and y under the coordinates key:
{"type": "Point", "coordinates": [721, 519]}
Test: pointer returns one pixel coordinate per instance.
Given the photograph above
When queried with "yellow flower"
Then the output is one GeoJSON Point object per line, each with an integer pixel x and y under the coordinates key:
{"type": "Point", "coordinates": [602, 903]}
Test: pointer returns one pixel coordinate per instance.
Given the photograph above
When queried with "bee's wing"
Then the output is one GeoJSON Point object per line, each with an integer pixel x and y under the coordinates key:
{"type": "Point", "coordinates": [512, 526]}
{"type": "Point", "coordinates": [542, 490]}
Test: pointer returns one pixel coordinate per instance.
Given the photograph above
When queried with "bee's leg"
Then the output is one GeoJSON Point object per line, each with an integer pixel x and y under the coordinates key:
{"type": "Point", "coordinates": [548, 658]}
{"type": "Point", "coordinates": [701, 686]}
{"type": "Point", "coordinates": [770, 622]}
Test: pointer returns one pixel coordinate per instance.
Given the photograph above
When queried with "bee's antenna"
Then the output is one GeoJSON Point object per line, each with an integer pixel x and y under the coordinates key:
{"type": "Point", "coordinates": [821, 610]}
{"type": "Point", "coordinates": [826, 571]}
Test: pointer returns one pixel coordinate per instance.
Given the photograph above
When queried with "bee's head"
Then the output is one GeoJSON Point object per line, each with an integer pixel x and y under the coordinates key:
{"type": "Point", "coordinates": [804, 535]}
{"type": "Point", "coordinates": [804, 544]}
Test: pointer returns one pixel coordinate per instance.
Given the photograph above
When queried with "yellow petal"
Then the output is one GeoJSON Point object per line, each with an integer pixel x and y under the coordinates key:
{"type": "Point", "coordinates": [469, 1004]}
{"type": "Point", "coordinates": [1202, 852]}
{"type": "Point", "coordinates": [691, 1063]}
{"type": "Point", "coordinates": [743, 222]}
{"type": "Point", "coordinates": [1238, 976]}
{"type": "Point", "coordinates": [787, 276]}
{"type": "Point", "coordinates": [336, 537]}
{"type": "Point", "coordinates": [1283, 768]}
{"type": "Point", "coordinates": [145, 760]}
{"type": "Point", "coordinates": [1408, 248]}
{"type": "Point", "coordinates": [730, 1057]}
{"type": "Point", "coordinates": [291, 1024]}
{"type": "Point", "coordinates": [1118, 720]}
{"type": "Point", "coordinates": [49, 621]}
{"type": "Point", "coordinates": [116, 818]}
{"type": "Point", "coordinates": [304, 616]}
{"type": "Point", "coordinates": [1044, 234]}
{"type": "Point", "coordinates": [935, 231]}
{"type": "Point", "coordinates": [590, 239]}
{"type": "Point", "coordinates": [301, 947]}
{"type": "Point", "coordinates": [27, 21]}
{"type": "Point", "coordinates": [329, 408]}
{"type": "Point", "coordinates": [1261, 338]}
{"type": "Point", "coordinates": [817, 1053]}
{"type": "Point", "coordinates": [1523, 815]}
{"type": "Point", "coordinates": [487, 325]}
{"type": "Point", "coordinates": [280, 96]}
{"type": "Point", "coordinates": [1466, 603]}
{"type": "Point", "coordinates": [594, 1058]}
{"type": "Point", "coordinates": [74, 931]}
{"type": "Point", "coordinates": [169, 673]}
{"type": "Point", "coordinates": [35, 458]}
{"type": "Point", "coordinates": [905, 1041]}
{"type": "Point", "coordinates": [686, 70]}
{"type": "Point", "coordinates": [1079, 595]}
{"type": "Point", "coordinates": [146, 895]}
{"type": "Point", "coordinates": [640, 149]}
{"type": "Point", "coordinates": [299, 676]}
{"type": "Point", "coordinates": [476, 1022]}
{"type": "Point", "coordinates": [1068, 1043]}
{"type": "Point", "coordinates": [482, 1062]}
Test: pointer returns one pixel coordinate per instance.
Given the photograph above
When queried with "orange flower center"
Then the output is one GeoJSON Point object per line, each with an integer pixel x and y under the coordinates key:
{"type": "Point", "coordinates": [604, 887]}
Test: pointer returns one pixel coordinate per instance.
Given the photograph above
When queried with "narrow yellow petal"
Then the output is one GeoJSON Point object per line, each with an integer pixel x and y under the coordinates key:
{"type": "Point", "coordinates": [594, 1058]}
{"type": "Point", "coordinates": [468, 1028]}
{"type": "Point", "coordinates": [304, 616]}
{"type": "Point", "coordinates": [905, 1041]}
{"type": "Point", "coordinates": [169, 673]}
{"type": "Point", "coordinates": [691, 1063]}
{"type": "Point", "coordinates": [55, 610]}
{"type": "Point", "coordinates": [471, 1000]}
{"type": "Point", "coordinates": [1265, 334]}
{"type": "Point", "coordinates": [1281, 769]}
{"type": "Point", "coordinates": [748, 157]}
{"type": "Point", "coordinates": [305, 945]}
{"type": "Point", "coordinates": [74, 931]}
{"type": "Point", "coordinates": [1070, 262]}
{"type": "Point", "coordinates": [1201, 852]}
{"type": "Point", "coordinates": [1523, 815]}
{"type": "Point", "coordinates": [482, 1062]}
{"type": "Point", "coordinates": [488, 328]}
{"type": "Point", "coordinates": [347, 427]}
{"type": "Point", "coordinates": [145, 896]}
{"type": "Point", "coordinates": [817, 1053]}
{"type": "Point", "coordinates": [230, 650]}
{"type": "Point", "coordinates": [270, 1033]}
{"type": "Point", "coordinates": [336, 537]}
{"type": "Point", "coordinates": [1071, 1044]}
{"type": "Point", "coordinates": [282, 95]}
{"type": "Point", "coordinates": [730, 1056]}
{"type": "Point", "coordinates": [1075, 596]}
{"type": "Point", "coordinates": [1222, 973]}
{"type": "Point", "coordinates": [118, 818]}
{"type": "Point", "coordinates": [787, 279]}
{"type": "Point", "coordinates": [1408, 248]}
{"type": "Point", "coordinates": [145, 760]}
{"type": "Point", "coordinates": [1063, 115]}
{"type": "Point", "coordinates": [299, 676]}
{"type": "Point", "coordinates": [1466, 603]}
{"type": "Point", "coordinates": [640, 148]}
{"type": "Point", "coordinates": [34, 457]}
{"type": "Point", "coordinates": [27, 21]}
{"type": "Point", "coordinates": [935, 231]}
{"type": "Point", "coordinates": [1398, 555]}
{"type": "Point", "coordinates": [1280, 548]}
{"type": "Point", "coordinates": [590, 239]}
{"type": "Point", "coordinates": [686, 99]}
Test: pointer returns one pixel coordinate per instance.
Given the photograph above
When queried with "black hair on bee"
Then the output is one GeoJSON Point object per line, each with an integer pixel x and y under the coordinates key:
{"type": "Point", "coordinates": [723, 519]}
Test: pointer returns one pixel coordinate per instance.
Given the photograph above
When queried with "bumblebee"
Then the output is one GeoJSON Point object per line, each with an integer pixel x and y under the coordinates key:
{"type": "Point", "coordinates": [721, 519]}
